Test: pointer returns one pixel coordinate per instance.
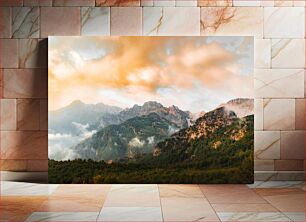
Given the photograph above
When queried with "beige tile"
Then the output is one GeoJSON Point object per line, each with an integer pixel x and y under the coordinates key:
{"type": "Point", "coordinates": [283, 3]}
{"type": "Point", "coordinates": [180, 190]}
{"type": "Point", "coordinates": [95, 21]}
{"type": "Point", "coordinates": [73, 2]}
{"type": "Point", "coordinates": [126, 21]}
{"type": "Point", "coordinates": [246, 3]}
{"type": "Point", "coordinates": [160, 21]}
{"type": "Point", "coordinates": [25, 83]}
{"type": "Point", "coordinates": [300, 114]}
{"type": "Point", "coordinates": [32, 53]}
{"type": "Point", "coordinates": [267, 3]}
{"type": "Point", "coordinates": [5, 22]}
{"type": "Point", "coordinates": [263, 165]}
{"type": "Point", "coordinates": [282, 49]}
{"type": "Point", "coordinates": [230, 194]}
{"type": "Point", "coordinates": [219, 3]}
{"type": "Point", "coordinates": [134, 195]}
{"type": "Point", "coordinates": [43, 115]}
{"type": "Point", "coordinates": [25, 22]}
{"type": "Point", "coordinates": [279, 83]}
{"type": "Point", "coordinates": [258, 117]}
{"type": "Point", "coordinates": [37, 165]}
{"type": "Point", "coordinates": [299, 3]}
{"type": "Point", "coordinates": [51, 17]}
{"type": "Point", "coordinates": [163, 3]}
{"type": "Point", "coordinates": [1, 83]}
{"type": "Point", "coordinates": [13, 165]}
{"type": "Point", "coordinates": [24, 145]}
{"type": "Point", "coordinates": [263, 207]}
{"type": "Point", "coordinates": [292, 145]}
{"type": "Point", "coordinates": [187, 209]}
{"type": "Point", "coordinates": [8, 114]}
{"type": "Point", "coordinates": [37, 2]}
{"type": "Point", "coordinates": [304, 83]}
{"type": "Point", "coordinates": [289, 165]}
{"type": "Point", "coordinates": [278, 19]}
{"type": "Point", "coordinates": [146, 2]}
{"type": "Point", "coordinates": [266, 145]}
{"type": "Point", "coordinates": [186, 3]}
{"type": "Point", "coordinates": [28, 114]}
{"type": "Point", "coordinates": [262, 53]}
{"type": "Point", "coordinates": [118, 3]}
{"type": "Point", "coordinates": [8, 53]}
{"type": "Point", "coordinates": [279, 114]}
{"type": "Point", "coordinates": [226, 21]}
{"type": "Point", "coordinates": [252, 216]}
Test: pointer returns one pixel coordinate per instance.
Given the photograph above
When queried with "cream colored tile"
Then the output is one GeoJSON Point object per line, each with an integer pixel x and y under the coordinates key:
{"type": "Point", "coordinates": [246, 3]}
{"type": "Point", "coordinates": [162, 3]}
{"type": "Point", "coordinates": [279, 83]}
{"type": "Point", "coordinates": [186, 3]}
{"type": "Point", "coordinates": [284, 49]}
{"type": "Point", "coordinates": [292, 145]}
{"type": "Point", "coordinates": [263, 165]}
{"type": "Point", "coordinates": [232, 21]}
{"type": "Point", "coordinates": [279, 114]}
{"type": "Point", "coordinates": [262, 53]}
{"type": "Point", "coordinates": [300, 114]}
{"type": "Point", "coordinates": [95, 21]}
{"type": "Point", "coordinates": [299, 3]}
{"type": "Point", "coordinates": [263, 207]}
{"type": "Point", "coordinates": [146, 2]}
{"type": "Point", "coordinates": [284, 3]}
{"type": "Point", "coordinates": [284, 22]}
{"type": "Point", "coordinates": [266, 145]}
{"type": "Point", "coordinates": [258, 117]}
{"type": "Point", "coordinates": [267, 3]}
{"type": "Point", "coordinates": [220, 3]}
{"type": "Point", "coordinates": [8, 114]}
{"type": "Point", "coordinates": [171, 21]}
{"type": "Point", "coordinates": [180, 190]}
{"type": "Point", "coordinates": [254, 216]}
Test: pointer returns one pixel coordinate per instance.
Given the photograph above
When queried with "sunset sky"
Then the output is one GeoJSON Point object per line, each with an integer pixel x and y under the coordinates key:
{"type": "Point", "coordinates": [193, 73]}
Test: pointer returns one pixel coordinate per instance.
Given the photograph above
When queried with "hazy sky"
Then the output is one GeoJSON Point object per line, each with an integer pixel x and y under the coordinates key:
{"type": "Point", "coordinates": [193, 73]}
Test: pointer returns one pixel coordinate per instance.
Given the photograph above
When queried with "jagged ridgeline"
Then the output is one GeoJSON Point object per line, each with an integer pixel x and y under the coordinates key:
{"type": "Point", "coordinates": [156, 144]}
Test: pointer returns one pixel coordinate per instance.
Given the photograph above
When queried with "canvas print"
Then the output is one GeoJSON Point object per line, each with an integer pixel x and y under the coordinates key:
{"type": "Point", "coordinates": [150, 109]}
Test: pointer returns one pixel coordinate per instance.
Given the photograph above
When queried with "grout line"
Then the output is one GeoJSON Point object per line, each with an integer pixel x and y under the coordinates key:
{"type": "Point", "coordinates": [160, 203]}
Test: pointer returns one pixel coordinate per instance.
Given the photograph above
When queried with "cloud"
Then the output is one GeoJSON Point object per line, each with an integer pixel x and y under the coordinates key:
{"type": "Point", "coordinates": [135, 142]}
{"type": "Point", "coordinates": [151, 140]}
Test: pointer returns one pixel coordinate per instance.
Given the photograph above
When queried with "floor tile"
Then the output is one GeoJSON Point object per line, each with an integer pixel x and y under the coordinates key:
{"type": "Point", "coordinates": [296, 216]}
{"type": "Point", "coordinates": [18, 208]}
{"type": "Point", "coordinates": [276, 184]}
{"type": "Point", "coordinates": [263, 207]}
{"type": "Point", "coordinates": [183, 190]}
{"type": "Point", "coordinates": [26, 189]}
{"type": "Point", "coordinates": [130, 214]}
{"type": "Point", "coordinates": [134, 195]}
{"type": "Point", "coordinates": [63, 216]}
{"type": "Point", "coordinates": [230, 194]}
{"type": "Point", "coordinates": [187, 209]}
{"type": "Point", "coordinates": [274, 216]}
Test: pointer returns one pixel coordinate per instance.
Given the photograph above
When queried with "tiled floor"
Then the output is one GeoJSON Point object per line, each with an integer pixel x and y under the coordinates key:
{"type": "Point", "coordinates": [269, 201]}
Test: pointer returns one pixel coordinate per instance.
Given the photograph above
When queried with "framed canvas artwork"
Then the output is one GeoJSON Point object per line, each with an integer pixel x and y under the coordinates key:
{"type": "Point", "coordinates": [150, 109]}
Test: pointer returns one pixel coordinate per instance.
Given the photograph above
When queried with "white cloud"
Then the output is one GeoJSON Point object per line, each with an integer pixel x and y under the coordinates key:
{"type": "Point", "coordinates": [135, 142]}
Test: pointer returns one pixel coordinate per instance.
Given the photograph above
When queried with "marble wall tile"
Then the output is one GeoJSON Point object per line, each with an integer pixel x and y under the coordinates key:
{"type": "Point", "coordinates": [305, 83]}
{"type": "Point", "coordinates": [284, 49]}
{"type": "Point", "coordinates": [43, 115]}
{"type": "Point", "coordinates": [266, 145]}
{"type": "Point", "coordinates": [186, 3]}
{"type": "Point", "coordinates": [126, 21]}
{"type": "Point", "coordinates": [300, 114]}
{"type": "Point", "coordinates": [146, 2]}
{"type": "Point", "coordinates": [263, 165]}
{"type": "Point", "coordinates": [95, 21]}
{"type": "Point", "coordinates": [25, 83]}
{"type": "Point", "coordinates": [73, 2]}
{"type": "Point", "coordinates": [4, 3]}
{"type": "Point", "coordinates": [284, 3]}
{"type": "Point", "coordinates": [279, 114]}
{"type": "Point", "coordinates": [264, 207]}
{"type": "Point", "coordinates": [292, 145]}
{"type": "Point", "coordinates": [254, 216]}
{"type": "Point", "coordinates": [1, 83]}
{"type": "Point", "coordinates": [25, 22]}
{"type": "Point", "coordinates": [13, 165]}
{"type": "Point", "coordinates": [219, 3]}
{"type": "Point", "coordinates": [5, 22]}
{"type": "Point", "coordinates": [278, 22]}
{"type": "Point", "coordinates": [8, 114]}
{"type": "Point", "coordinates": [63, 216]}
{"type": "Point", "coordinates": [117, 2]}
{"type": "Point", "coordinates": [237, 3]}
{"type": "Point", "coordinates": [171, 21]}
{"type": "Point", "coordinates": [299, 3]}
{"type": "Point", "coordinates": [289, 165]}
{"type": "Point", "coordinates": [258, 110]}
{"type": "Point", "coordinates": [262, 53]}
{"type": "Point", "coordinates": [273, 83]}
{"type": "Point", "coordinates": [8, 53]}
{"type": "Point", "coordinates": [266, 3]}
{"type": "Point", "coordinates": [226, 21]}
{"type": "Point", "coordinates": [51, 17]}
{"type": "Point", "coordinates": [37, 2]}
{"type": "Point", "coordinates": [179, 191]}
{"type": "Point", "coordinates": [163, 3]}
{"type": "Point", "coordinates": [28, 114]}
{"type": "Point", "coordinates": [33, 53]}
{"type": "Point", "coordinates": [24, 144]}
{"type": "Point", "coordinates": [37, 165]}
